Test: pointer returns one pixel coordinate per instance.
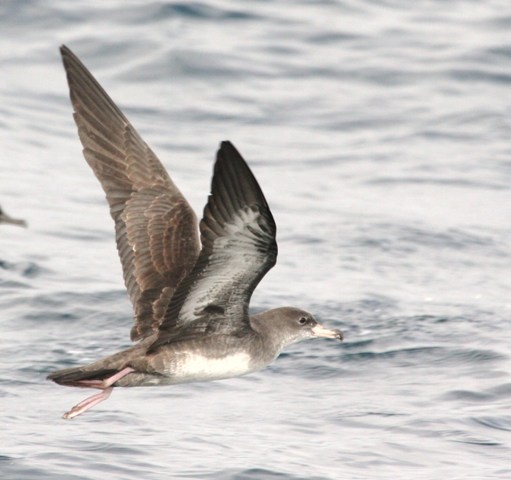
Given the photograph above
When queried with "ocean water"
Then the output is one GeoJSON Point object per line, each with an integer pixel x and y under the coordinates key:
{"type": "Point", "coordinates": [380, 132]}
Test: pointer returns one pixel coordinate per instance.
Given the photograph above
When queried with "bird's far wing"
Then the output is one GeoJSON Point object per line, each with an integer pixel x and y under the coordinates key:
{"type": "Point", "coordinates": [238, 248]}
{"type": "Point", "coordinates": [155, 228]}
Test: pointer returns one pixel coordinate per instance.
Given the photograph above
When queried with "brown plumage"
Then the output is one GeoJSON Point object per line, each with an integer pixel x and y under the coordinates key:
{"type": "Point", "coordinates": [191, 304]}
{"type": "Point", "coordinates": [155, 228]}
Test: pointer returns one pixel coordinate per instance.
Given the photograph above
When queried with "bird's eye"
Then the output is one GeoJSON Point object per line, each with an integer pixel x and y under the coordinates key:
{"type": "Point", "coordinates": [302, 321]}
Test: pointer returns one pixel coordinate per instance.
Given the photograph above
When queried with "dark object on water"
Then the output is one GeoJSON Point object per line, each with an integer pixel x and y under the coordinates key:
{"type": "Point", "coordinates": [4, 218]}
{"type": "Point", "coordinates": [190, 303]}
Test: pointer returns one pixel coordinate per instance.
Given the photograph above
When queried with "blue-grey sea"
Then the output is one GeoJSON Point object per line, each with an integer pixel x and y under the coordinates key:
{"type": "Point", "coordinates": [380, 132]}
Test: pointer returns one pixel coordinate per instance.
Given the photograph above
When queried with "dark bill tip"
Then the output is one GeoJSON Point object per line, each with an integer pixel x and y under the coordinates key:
{"type": "Point", "coordinates": [320, 331]}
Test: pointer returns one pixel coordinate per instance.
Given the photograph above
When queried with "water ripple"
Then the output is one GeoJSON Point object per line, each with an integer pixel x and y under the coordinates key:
{"type": "Point", "coordinates": [380, 136]}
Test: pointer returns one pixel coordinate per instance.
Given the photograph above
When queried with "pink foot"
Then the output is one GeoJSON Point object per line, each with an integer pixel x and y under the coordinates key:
{"type": "Point", "coordinates": [89, 402]}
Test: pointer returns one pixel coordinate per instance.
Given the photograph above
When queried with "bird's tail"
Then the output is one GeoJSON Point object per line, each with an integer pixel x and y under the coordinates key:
{"type": "Point", "coordinates": [80, 376]}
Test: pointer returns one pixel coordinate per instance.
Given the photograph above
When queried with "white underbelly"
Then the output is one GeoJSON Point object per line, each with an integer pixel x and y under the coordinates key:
{"type": "Point", "coordinates": [195, 367]}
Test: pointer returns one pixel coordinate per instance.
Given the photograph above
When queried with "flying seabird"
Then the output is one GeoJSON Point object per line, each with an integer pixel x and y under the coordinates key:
{"type": "Point", "coordinates": [190, 296]}
{"type": "Point", "coordinates": [4, 218]}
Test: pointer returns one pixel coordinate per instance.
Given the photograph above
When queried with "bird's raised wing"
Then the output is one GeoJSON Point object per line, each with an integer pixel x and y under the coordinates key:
{"type": "Point", "coordinates": [155, 228]}
{"type": "Point", "coordinates": [238, 248]}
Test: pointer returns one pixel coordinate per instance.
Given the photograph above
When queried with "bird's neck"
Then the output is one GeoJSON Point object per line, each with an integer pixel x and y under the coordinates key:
{"type": "Point", "coordinates": [273, 340]}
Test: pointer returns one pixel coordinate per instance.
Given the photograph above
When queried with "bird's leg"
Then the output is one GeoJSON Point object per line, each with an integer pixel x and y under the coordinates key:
{"type": "Point", "coordinates": [89, 402]}
{"type": "Point", "coordinates": [105, 383]}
